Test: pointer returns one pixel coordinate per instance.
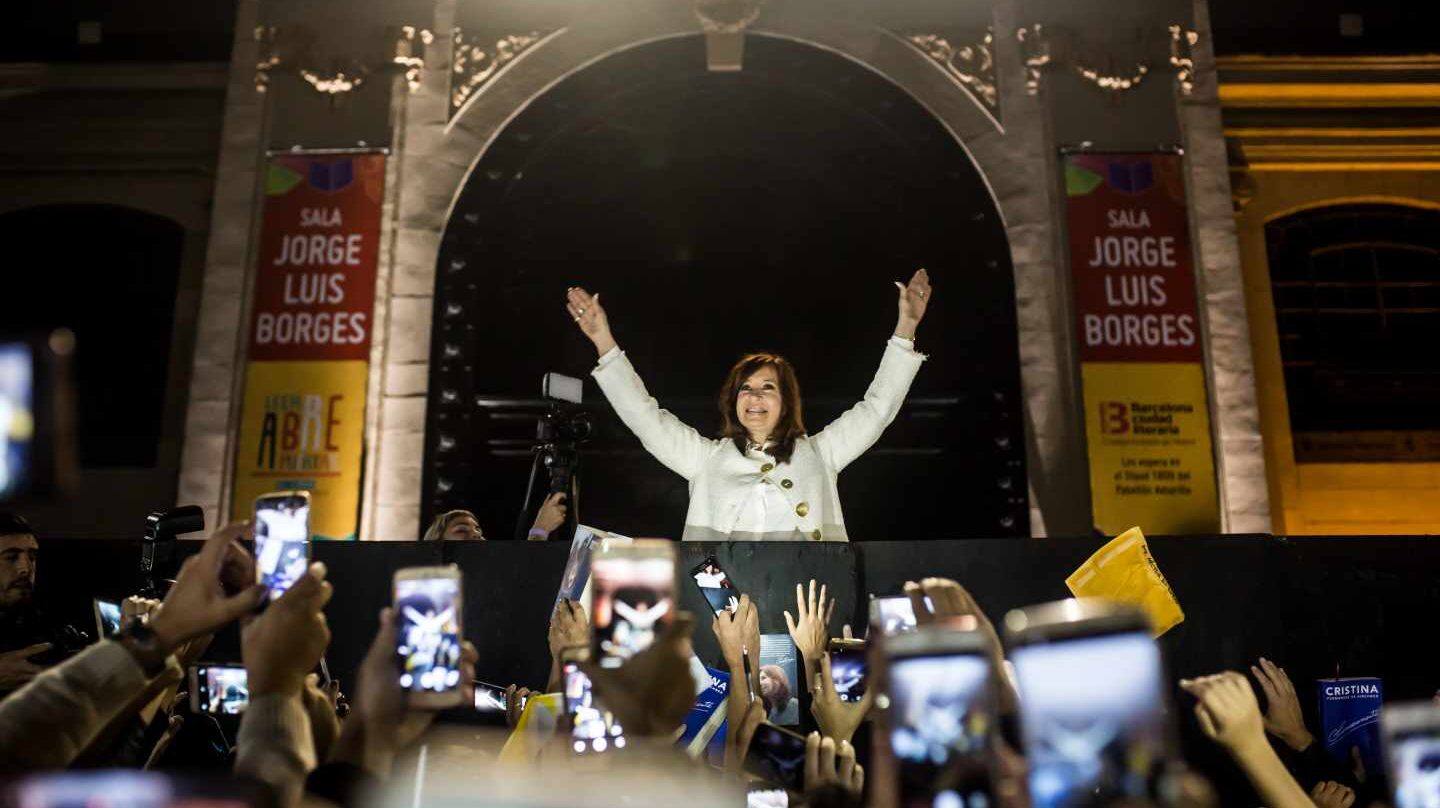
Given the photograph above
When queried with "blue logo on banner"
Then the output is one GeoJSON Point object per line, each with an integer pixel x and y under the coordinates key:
{"type": "Point", "coordinates": [1132, 178]}
{"type": "Point", "coordinates": [332, 177]}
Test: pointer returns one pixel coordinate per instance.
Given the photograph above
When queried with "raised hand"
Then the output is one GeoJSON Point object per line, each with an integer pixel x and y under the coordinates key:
{"type": "Point", "coordinates": [914, 298]}
{"type": "Point", "coordinates": [587, 313]}
{"type": "Point", "coordinates": [737, 630]}
{"type": "Point", "coordinates": [1330, 794]}
{"type": "Point", "coordinates": [652, 692]}
{"type": "Point", "coordinates": [199, 602]}
{"type": "Point", "coordinates": [837, 719]}
{"type": "Point", "coordinates": [830, 765]}
{"type": "Point", "coordinates": [285, 643]}
{"type": "Point", "coordinates": [551, 516]}
{"type": "Point", "coordinates": [1282, 707]}
{"type": "Point", "coordinates": [810, 626]}
{"type": "Point", "coordinates": [1227, 711]}
{"type": "Point", "coordinates": [569, 628]}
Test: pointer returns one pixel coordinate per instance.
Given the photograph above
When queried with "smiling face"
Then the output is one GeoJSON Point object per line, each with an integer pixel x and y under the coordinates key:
{"type": "Point", "coordinates": [758, 405]}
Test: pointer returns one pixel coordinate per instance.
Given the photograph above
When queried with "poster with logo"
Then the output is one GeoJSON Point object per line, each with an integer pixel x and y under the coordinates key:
{"type": "Point", "coordinates": [1350, 719]}
{"type": "Point", "coordinates": [303, 416]}
{"type": "Point", "coordinates": [1147, 417]}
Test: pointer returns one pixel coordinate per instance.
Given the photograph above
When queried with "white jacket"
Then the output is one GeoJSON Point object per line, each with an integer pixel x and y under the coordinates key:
{"type": "Point", "coordinates": [721, 477]}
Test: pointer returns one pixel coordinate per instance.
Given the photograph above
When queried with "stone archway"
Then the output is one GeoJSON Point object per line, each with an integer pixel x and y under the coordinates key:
{"type": "Point", "coordinates": [728, 212]}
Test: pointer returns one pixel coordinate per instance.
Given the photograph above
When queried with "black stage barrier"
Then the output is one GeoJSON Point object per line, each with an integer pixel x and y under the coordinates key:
{"type": "Point", "coordinates": [1317, 606]}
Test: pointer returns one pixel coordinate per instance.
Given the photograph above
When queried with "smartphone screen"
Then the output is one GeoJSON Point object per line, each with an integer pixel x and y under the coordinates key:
{"type": "Point", "coordinates": [1093, 717]}
{"type": "Point", "coordinates": [489, 698]}
{"type": "Point", "coordinates": [1415, 766]}
{"type": "Point", "coordinates": [715, 585]}
{"type": "Point", "coordinates": [634, 600]}
{"type": "Point", "coordinates": [282, 541]}
{"type": "Point", "coordinates": [944, 716]}
{"type": "Point", "coordinates": [894, 614]}
{"type": "Point", "coordinates": [848, 670]}
{"type": "Point", "coordinates": [107, 618]}
{"type": "Point", "coordinates": [427, 611]}
{"type": "Point", "coordinates": [221, 689]}
{"type": "Point", "coordinates": [761, 797]}
{"type": "Point", "coordinates": [592, 729]}
{"type": "Point", "coordinates": [777, 755]}
{"type": "Point", "coordinates": [128, 788]}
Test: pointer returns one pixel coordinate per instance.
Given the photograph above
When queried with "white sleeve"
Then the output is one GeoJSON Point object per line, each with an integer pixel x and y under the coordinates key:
{"type": "Point", "coordinates": [678, 446]}
{"type": "Point", "coordinates": [848, 436]}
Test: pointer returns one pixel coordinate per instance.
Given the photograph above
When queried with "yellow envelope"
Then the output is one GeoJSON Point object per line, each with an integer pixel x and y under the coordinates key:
{"type": "Point", "coordinates": [535, 728]}
{"type": "Point", "coordinates": [1123, 570]}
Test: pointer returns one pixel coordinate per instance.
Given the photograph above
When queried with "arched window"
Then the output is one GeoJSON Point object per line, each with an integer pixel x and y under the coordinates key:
{"type": "Point", "coordinates": [1357, 308]}
{"type": "Point", "coordinates": [109, 274]}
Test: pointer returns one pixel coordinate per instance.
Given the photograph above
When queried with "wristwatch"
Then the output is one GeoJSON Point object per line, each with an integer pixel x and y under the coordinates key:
{"type": "Point", "coordinates": [144, 646]}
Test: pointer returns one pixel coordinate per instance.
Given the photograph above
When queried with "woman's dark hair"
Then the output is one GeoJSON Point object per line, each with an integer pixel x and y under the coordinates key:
{"type": "Point", "coordinates": [792, 422]}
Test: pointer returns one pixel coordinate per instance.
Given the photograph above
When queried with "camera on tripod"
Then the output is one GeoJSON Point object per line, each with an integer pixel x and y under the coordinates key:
{"type": "Point", "coordinates": [559, 434]}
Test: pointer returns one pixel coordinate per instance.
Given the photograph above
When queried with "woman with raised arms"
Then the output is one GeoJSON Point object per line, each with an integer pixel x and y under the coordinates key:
{"type": "Point", "coordinates": [764, 478]}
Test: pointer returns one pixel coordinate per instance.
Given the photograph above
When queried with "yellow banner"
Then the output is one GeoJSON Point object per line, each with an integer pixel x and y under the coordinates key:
{"type": "Point", "coordinates": [1151, 463]}
{"type": "Point", "coordinates": [302, 428]}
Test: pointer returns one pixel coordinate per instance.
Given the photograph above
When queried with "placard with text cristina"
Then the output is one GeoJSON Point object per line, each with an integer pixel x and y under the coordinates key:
{"type": "Point", "coordinates": [303, 418]}
{"type": "Point", "coordinates": [1147, 418]}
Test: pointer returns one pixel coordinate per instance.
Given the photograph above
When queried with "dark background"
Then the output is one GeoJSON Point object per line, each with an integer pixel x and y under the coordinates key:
{"type": "Point", "coordinates": [719, 214]}
{"type": "Point", "coordinates": [202, 30]}
{"type": "Point", "coordinates": [1320, 607]}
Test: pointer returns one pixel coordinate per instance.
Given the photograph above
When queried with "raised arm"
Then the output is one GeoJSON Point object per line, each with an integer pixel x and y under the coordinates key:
{"type": "Point", "coordinates": [671, 441]}
{"type": "Point", "coordinates": [859, 427]}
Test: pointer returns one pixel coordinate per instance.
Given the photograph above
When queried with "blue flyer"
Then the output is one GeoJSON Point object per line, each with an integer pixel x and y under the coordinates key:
{"type": "Point", "coordinates": [1350, 719]}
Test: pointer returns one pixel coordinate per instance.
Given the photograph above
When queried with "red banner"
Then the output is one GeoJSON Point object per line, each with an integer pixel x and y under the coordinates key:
{"type": "Point", "coordinates": [1147, 416]}
{"type": "Point", "coordinates": [319, 246]}
{"type": "Point", "coordinates": [1130, 258]}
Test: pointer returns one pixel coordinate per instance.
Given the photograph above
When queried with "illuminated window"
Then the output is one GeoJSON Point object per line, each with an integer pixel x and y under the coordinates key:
{"type": "Point", "coordinates": [1357, 307]}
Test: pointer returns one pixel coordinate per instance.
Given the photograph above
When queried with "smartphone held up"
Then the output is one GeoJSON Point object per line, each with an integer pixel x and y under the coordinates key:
{"type": "Point", "coordinates": [634, 597]}
{"type": "Point", "coordinates": [943, 718]}
{"type": "Point", "coordinates": [282, 540]}
{"type": "Point", "coordinates": [428, 635]}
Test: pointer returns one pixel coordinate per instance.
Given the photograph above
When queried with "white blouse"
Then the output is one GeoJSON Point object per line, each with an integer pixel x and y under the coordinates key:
{"type": "Point", "coordinates": [765, 510]}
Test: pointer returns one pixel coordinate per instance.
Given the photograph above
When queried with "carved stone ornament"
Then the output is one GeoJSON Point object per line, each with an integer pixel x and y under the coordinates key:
{"type": "Point", "coordinates": [971, 66]}
{"type": "Point", "coordinates": [407, 57]}
{"type": "Point", "coordinates": [1035, 49]}
{"type": "Point", "coordinates": [727, 16]}
{"type": "Point", "coordinates": [477, 60]}
{"type": "Point", "coordinates": [1182, 42]}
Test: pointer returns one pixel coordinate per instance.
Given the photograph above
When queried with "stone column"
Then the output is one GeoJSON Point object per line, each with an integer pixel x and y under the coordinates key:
{"type": "Point", "coordinates": [207, 459]}
{"type": "Point", "coordinates": [1239, 449]}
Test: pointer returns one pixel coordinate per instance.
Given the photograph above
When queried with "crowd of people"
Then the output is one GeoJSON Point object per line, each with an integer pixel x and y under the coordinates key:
{"type": "Point", "coordinates": [120, 704]}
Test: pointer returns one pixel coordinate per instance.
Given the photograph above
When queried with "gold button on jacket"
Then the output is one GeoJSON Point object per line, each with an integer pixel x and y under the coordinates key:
{"type": "Point", "coordinates": [802, 510]}
{"type": "Point", "coordinates": [767, 468]}
{"type": "Point", "coordinates": [786, 484]}
{"type": "Point", "coordinates": [815, 535]}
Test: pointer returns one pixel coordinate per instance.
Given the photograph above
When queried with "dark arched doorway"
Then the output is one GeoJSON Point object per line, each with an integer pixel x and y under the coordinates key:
{"type": "Point", "coordinates": [718, 214]}
{"type": "Point", "coordinates": [110, 275]}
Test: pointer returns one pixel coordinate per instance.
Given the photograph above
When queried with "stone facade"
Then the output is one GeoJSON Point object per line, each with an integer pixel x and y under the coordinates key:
{"type": "Point", "coordinates": [1015, 150]}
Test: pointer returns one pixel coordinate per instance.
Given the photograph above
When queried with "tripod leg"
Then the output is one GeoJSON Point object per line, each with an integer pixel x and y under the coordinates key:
{"type": "Point", "coordinates": [522, 528]}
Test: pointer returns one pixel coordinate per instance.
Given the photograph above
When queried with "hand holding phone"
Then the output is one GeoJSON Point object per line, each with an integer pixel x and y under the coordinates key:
{"type": "Point", "coordinates": [218, 689]}
{"type": "Point", "coordinates": [1092, 701]}
{"type": "Point", "coordinates": [715, 584]}
{"type": "Point", "coordinates": [282, 540]}
{"type": "Point", "coordinates": [777, 756]}
{"type": "Point", "coordinates": [593, 729]}
{"type": "Point", "coordinates": [849, 669]}
{"type": "Point", "coordinates": [634, 589]}
{"type": "Point", "coordinates": [428, 635]}
{"type": "Point", "coordinates": [942, 719]}
{"type": "Point", "coordinates": [1412, 744]}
